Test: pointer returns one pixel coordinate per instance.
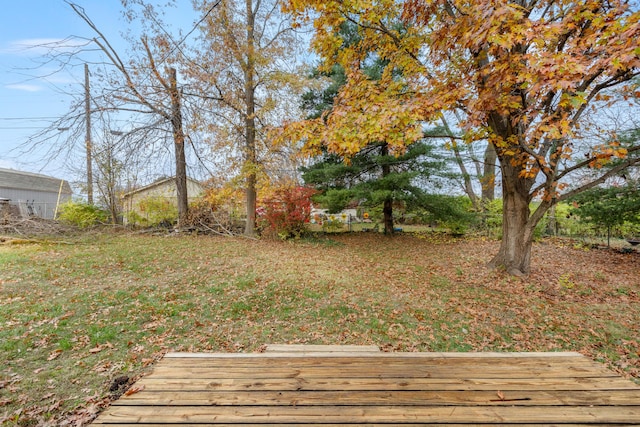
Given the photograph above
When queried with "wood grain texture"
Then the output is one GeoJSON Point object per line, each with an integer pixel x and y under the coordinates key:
{"type": "Point", "coordinates": [364, 387]}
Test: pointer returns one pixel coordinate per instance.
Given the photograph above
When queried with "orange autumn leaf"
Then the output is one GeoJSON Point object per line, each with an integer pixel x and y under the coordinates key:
{"type": "Point", "coordinates": [134, 389]}
{"type": "Point", "coordinates": [54, 355]}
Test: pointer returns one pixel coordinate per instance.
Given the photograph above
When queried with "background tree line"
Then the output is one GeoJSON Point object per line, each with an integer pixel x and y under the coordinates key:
{"type": "Point", "coordinates": [407, 101]}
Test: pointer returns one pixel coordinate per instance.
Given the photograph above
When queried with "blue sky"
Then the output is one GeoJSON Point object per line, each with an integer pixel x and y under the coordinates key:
{"type": "Point", "coordinates": [29, 102]}
{"type": "Point", "coordinates": [32, 95]}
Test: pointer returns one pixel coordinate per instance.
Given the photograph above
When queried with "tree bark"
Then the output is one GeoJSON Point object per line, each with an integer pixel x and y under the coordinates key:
{"type": "Point", "coordinates": [515, 247]}
{"type": "Point", "coordinates": [488, 179]}
{"type": "Point", "coordinates": [387, 207]}
{"type": "Point", "coordinates": [517, 222]}
{"type": "Point", "coordinates": [88, 144]}
{"type": "Point", "coordinates": [387, 211]}
{"type": "Point", "coordinates": [552, 224]}
{"type": "Point", "coordinates": [250, 125]}
{"type": "Point", "coordinates": [178, 141]}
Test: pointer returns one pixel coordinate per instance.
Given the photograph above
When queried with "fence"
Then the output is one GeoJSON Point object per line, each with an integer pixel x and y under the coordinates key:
{"type": "Point", "coordinates": [27, 208]}
{"type": "Point", "coordinates": [569, 225]}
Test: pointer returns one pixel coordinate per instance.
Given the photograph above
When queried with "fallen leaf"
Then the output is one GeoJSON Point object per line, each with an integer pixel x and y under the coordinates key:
{"type": "Point", "coordinates": [133, 390]}
{"type": "Point", "coordinates": [54, 355]}
{"type": "Point", "coordinates": [103, 367]}
{"type": "Point", "coordinates": [500, 395]}
{"type": "Point", "coordinates": [66, 315]}
{"type": "Point", "coordinates": [55, 406]}
{"type": "Point", "coordinates": [96, 349]}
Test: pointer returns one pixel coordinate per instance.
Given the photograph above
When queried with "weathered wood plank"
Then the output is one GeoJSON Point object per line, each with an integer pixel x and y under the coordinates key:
{"type": "Point", "coordinates": [398, 398]}
{"type": "Point", "coordinates": [335, 388]}
{"type": "Point", "coordinates": [419, 371]}
{"type": "Point", "coordinates": [432, 355]}
{"type": "Point", "coordinates": [365, 414]}
{"type": "Point", "coordinates": [359, 359]}
{"type": "Point", "coordinates": [579, 362]}
{"type": "Point", "coordinates": [418, 384]}
{"type": "Point", "coordinates": [380, 359]}
{"type": "Point", "coordinates": [307, 348]}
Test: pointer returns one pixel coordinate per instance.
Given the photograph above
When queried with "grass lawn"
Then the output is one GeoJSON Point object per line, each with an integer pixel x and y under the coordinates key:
{"type": "Point", "coordinates": [76, 314]}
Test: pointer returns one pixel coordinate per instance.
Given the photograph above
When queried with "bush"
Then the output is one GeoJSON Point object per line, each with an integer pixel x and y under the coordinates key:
{"type": "Point", "coordinates": [154, 211]}
{"type": "Point", "coordinates": [286, 212]}
{"type": "Point", "coordinates": [567, 224]}
{"type": "Point", "coordinates": [225, 197]}
{"type": "Point", "coordinates": [332, 224]}
{"type": "Point", "coordinates": [82, 214]}
{"type": "Point", "coordinates": [452, 212]}
{"type": "Point", "coordinates": [605, 210]}
{"type": "Point", "coordinates": [208, 218]}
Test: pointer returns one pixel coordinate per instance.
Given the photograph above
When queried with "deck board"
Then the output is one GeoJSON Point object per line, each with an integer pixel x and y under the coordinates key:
{"type": "Point", "coordinates": [362, 387]}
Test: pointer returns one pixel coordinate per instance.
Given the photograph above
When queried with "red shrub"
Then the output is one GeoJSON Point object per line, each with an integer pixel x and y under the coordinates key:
{"type": "Point", "coordinates": [285, 213]}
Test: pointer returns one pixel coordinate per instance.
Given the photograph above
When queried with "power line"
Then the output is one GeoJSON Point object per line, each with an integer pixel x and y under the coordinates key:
{"type": "Point", "coordinates": [29, 118]}
{"type": "Point", "coordinates": [19, 127]}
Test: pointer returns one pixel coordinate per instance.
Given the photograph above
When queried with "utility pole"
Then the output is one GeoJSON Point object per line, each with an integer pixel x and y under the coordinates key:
{"type": "Point", "coordinates": [87, 108]}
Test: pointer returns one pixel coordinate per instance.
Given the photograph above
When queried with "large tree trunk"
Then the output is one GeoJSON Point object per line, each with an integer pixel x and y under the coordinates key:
{"type": "Point", "coordinates": [518, 224]}
{"type": "Point", "coordinates": [387, 207]}
{"type": "Point", "coordinates": [552, 224]}
{"type": "Point", "coordinates": [250, 125]}
{"type": "Point", "coordinates": [488, 179]}
{"type": "Point", "coordinates": [251, 200]}
{"type": "Point", "coordinates": [178, 141]}
{"type": "Point", "coordinates": [88, 143]}
{"type": "Point", "coordinates": [517, 236]}
{"type": "Point", "coordinates": [387, 211]}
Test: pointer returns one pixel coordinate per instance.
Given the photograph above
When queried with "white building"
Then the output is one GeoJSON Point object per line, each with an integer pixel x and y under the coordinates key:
{"type": "Point", "coordinates": [31, 194]}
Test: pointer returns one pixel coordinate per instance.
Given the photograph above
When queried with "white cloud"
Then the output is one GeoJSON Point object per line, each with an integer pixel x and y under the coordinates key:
{"type": "Point", "coordinates": [58, 78]}
{"type": "Point", "coordinates": [25, 87]}
{"type": "Point", "coordinates": [41, 46]}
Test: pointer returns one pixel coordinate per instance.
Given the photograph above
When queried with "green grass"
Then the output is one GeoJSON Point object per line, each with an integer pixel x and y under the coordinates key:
{"type": "Point", "coordinates": [75, 315]}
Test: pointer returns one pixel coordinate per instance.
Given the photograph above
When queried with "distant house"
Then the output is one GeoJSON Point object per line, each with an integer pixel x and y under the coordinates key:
{"type": "Point", "coordinates": [347, 216]}
{"type": "Point", "coordinates": [30, 194]}
{"type": "Point", "coordinates": [135, 202]}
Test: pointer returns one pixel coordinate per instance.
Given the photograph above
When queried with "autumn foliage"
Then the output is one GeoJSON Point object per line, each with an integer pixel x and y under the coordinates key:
{"type": "Point", "coordinates": [519, 75]}
{"type": "Point", "coordinates": [285, 212]}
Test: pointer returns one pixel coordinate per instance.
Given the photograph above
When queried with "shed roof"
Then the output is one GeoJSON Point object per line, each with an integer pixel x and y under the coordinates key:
{"type": "Point", "coordinates": [10, 178]}
{"type": "Point", "coordinates": [158, 183]}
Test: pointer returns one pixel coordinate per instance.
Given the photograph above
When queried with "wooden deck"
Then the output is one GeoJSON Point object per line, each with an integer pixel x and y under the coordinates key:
{"type": "Point", "coordinates": [289, 386]}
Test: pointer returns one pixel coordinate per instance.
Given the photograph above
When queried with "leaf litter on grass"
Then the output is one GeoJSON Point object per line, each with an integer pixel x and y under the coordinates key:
{"type": "Point", "coordinates": [74, 318]}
